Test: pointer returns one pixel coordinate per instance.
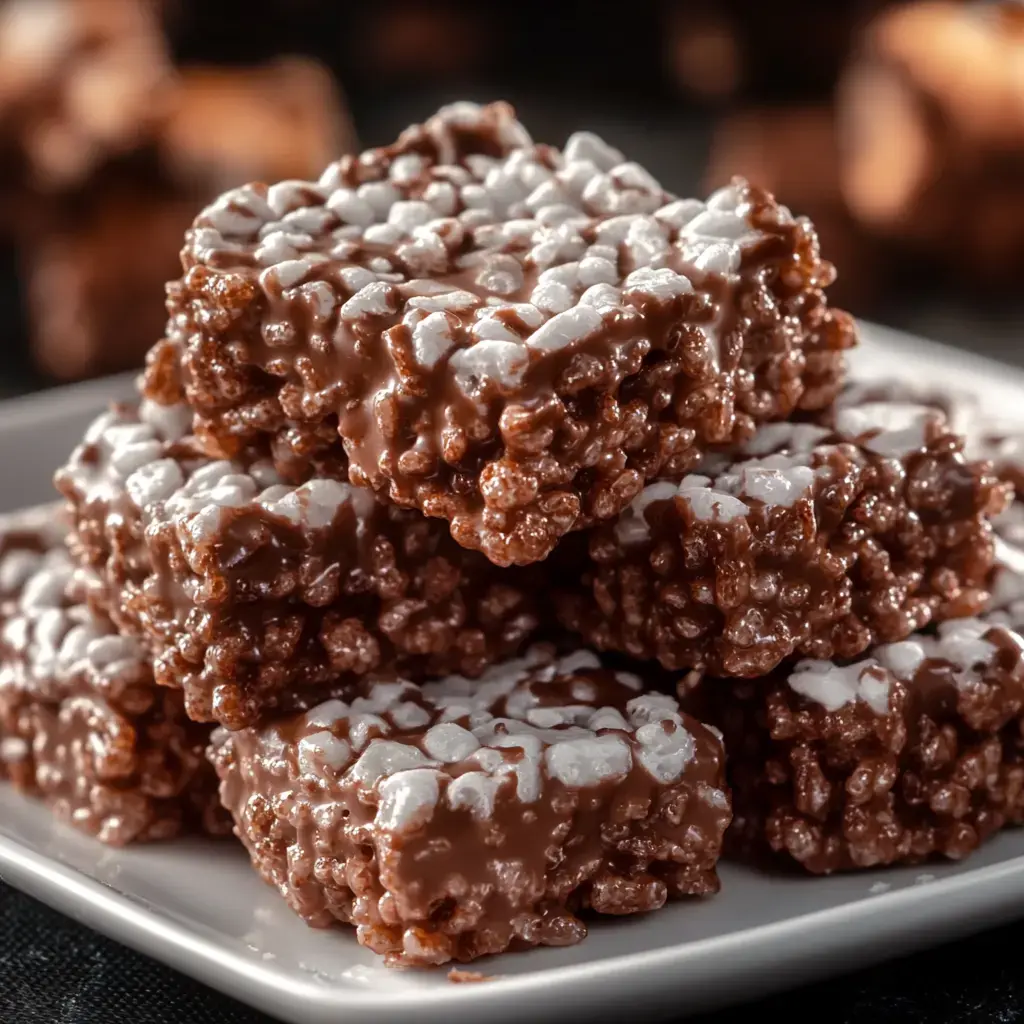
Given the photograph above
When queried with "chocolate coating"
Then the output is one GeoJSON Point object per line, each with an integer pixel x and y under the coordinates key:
{"type": "Point", "coordinates": [494, 332]}
{"type": "Point", "coordinates": [908, 753]}
{"type": "Point", "coordinates": [255, 596]}
{"type": "Point", "coordinates": [811, 540]}
{"type": "Point", "coordinates": [465, 818]}
{"type": "Point", "coordinates": [82, 724]}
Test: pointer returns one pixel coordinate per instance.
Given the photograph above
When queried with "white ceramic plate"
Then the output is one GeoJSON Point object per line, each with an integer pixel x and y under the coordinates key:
{"type": "Point", "coordinates": [199, 907]}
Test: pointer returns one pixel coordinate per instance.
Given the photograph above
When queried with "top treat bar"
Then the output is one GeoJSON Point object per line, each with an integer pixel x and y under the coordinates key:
{"type": "Point", "coordinates": [498, 333]}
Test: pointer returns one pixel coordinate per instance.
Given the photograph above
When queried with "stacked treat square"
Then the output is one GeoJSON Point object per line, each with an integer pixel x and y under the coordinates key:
{"type": "Point", "coordinates": [467, 483]}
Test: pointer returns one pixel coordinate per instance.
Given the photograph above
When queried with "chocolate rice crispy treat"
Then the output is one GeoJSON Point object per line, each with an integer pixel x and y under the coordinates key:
{"type": "Point", "coordinates": [497, 333]}
{"type": "Point", "coordinates": [814, 540]}
{"type": "Point", "coordinates": [910, 752]}
{"type": "Point", "coordinates": [82, 724]}
{"type": "Point", "coordinates": [468, 817]}
{"type": "Point", "coordinates": [251, 592]}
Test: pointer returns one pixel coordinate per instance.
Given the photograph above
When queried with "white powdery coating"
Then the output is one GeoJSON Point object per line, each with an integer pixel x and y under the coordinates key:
{"type": "Point", "coordinates": [629, 679]}
{"type": "Point", "coordinates": [480, 740]}
{"type": "Point", "coordinates": [384, 697]}
{"type": "Point", "coordinates": [961, 642]}
{"type": "Point", "coordinates": [566, 329]}
{"type": "Point", "coordinates": [584, 690]}
{"type": "Point", "coordinates": [902, 659]}
{"type": "Point", "coordinates": [718, 226]}
{"type": "Point", "coordinates": [602, 297]}
{"type": "Point", "coordinates": [777, 487]}
{"type": "Point", "coordinates": [407, 715]}
{"type": "Point", "coordinates": [432, 339]}
{"type": "Point", "coordinates": [407, 800]}
{"type": "Point", "coordinates": [154, 483]}
{"type": "Point", "coordinates": [363, 725]}
{"type": "Point", "coordinates": [680, 212]}
{"type": "Point", "coordinates": [123, 453]}
{"type": "Point", "coordinates": [526, 773]}
{"type": "Point", "coordinates": [587, 762]}
{"type": "Point", "coordinates": [194, 502]}
{"type": "Point", "coordinates": [327, 714]}
{"type": "Point", "coordinates": [779, 480]}
{"type": "Point", "coordinates": [587, 146]}
{"type": "Point", "coordinates": [449, 742]}
{"type": "Point", "coordinates": [322, 749]}
{"type": "Point", "coordinates": [665, 753]}
{"type": "Point", "coordinates": [383, 758]}
{"type": "Point", "coordinates": [960, 647]}
{"type": "Point", "coordinates": [455, 301]}
{"type": "Point", "coordinates": [834, 686]}
{"type": "Point", "coordinates": [709, 505]}
{"type": "Point", "coordinates": [475, 792]}
{"type": "Point", "coordinates": [56, 644]}
{"type": "Point", "coordinates": [576, 662]}
{"type": "Point", "coordinates": [47, 587]}
{"type": "Point", "coordinates": [503, 362]}
{"type": "Point", "coordinates": [651, 708]}
{"type": "Point", "coordinates": [170, 422]}
{"type": "Point", "coordinates": [549, 718]}
{"type": "Point", "coordinates": [892, 428]}
{"type": "Point", "coordinates": [487, 328]}
{"type": "Point", "coordinates": [720, 258]}
{"type": "Point", "coordinates": [794, 438]}
{"type": "Point", "coordinates": [374, 299]}
{"type": "Point", "coordinates": [316, 504]}
{"type": "Point", "coordinates": [661, 284]}
{"type": "Point", "coordinates": [13, 749]}
{"type": "Point", "coordinates": [15, 568]}
{"type": "Point", "coordinates": [286, 274]}
{"type": "Point", "coordinates": [631, 526]}
{"type": "Point", "coordinates": [607, 718]}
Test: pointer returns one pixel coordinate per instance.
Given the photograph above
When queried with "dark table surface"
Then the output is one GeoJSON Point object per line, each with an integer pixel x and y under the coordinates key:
{"type": "Point", "coordinates": [53, 971]}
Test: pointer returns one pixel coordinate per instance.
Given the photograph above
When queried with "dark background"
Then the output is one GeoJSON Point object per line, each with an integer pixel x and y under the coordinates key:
{"type": "Point", "coordinates": [565, 66]}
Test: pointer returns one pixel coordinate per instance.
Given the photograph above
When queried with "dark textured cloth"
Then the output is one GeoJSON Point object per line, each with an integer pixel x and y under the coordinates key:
{"type": "Point", "coordinates": [53, 971]}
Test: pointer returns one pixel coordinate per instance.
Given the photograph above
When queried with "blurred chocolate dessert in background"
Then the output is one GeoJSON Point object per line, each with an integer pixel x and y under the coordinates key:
{"type": "Point", "coordinates": [228, 126]}
{"type": "Point", "coordinates": [739, 51]}
{"type": "Point", "coordinates": [108, 152]}
{"type": "Point", "coordinates": [930, 115]}
{"type": "Point", "coordinates": [81, 82]}
{"type": "Point", "coordinates": [109, 285]}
